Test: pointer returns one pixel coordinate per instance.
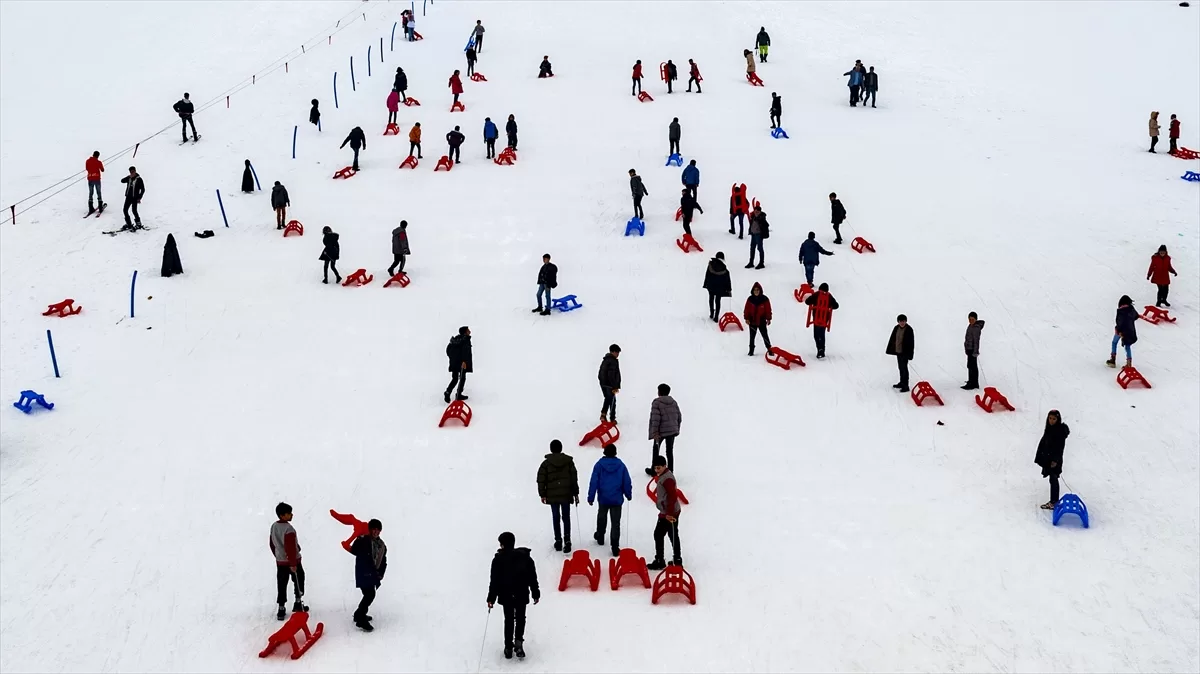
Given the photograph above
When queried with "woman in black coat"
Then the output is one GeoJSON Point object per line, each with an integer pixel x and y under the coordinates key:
{"type": "Point", "coordinates": [1050, 453]}
{"type": "Point", "coordinates": [718, 284]}
{"type": "Point", "coordinates": [330, 253]}
{"type": "Point", "coordinates": [248, 178]}
{"type": "Point", "coordinates": [314, 115]}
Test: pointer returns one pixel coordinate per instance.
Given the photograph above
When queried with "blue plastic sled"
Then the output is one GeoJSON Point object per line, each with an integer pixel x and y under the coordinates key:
{"type": "Point", "coordinates": [1191, 177]}
{"type": "Point", "coordinates": [779, 133]}
{"type": "Point", "coordinates": [676, 159]}
{"type": "Point", "coordinates": [565, 303]}
{"type": "Point", "coordinates": [28, 398]}
{"type": "Point", "coordinates": [635, 225]}
{"type": "Point", "coordinates": [1070, 503]}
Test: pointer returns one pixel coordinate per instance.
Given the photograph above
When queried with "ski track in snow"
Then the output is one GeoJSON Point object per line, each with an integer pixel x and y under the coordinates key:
{"type": "Point", "coordinates": [833, 526]}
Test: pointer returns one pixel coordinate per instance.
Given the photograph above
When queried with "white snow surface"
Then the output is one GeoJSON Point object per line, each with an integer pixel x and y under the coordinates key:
{"type": "Point", "coordinates": [833, 525]}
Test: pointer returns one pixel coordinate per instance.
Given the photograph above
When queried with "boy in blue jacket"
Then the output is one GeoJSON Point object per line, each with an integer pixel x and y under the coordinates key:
{"type": "Point", "coordinates": [855, 82]}
{"type": "Point", "coordinates": [691, 178]}
{"type": "Point", "coordinates": [490, 132]}
{"type": "Point", "coordinates": [810, 255]}
{"type": "Point", "coordinates": [610, 478]}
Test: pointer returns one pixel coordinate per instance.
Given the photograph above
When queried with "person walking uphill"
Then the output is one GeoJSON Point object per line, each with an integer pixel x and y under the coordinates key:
{"type": "Point", "coordinates": [971, 345]}
{"type": "Point", "coordinates": [330, 252]}
{"type": "Point", "coordinates": [637, 79]}
{"type": "Point", "coordinates": [674, 132]}
{"type": "Point", "coordinates": [458, 353]}
{"type": "Point", "coordinates": [718, 284]}
{"type": "Point", "coordinates": [94, 168]}
{"type": "Point", "coordinates": [1158, 274]}
{"type": "Point", "coordinates": [401, 84]}
{"type": "Point", "coordinates": [1172, 134]}
{"type": "Point", "coordinates": [901, 345]}
{"type": "Point", "coordinates": [314, 115]}
{"type": "Point", "coordinates": [672, 75]}
{"type": "Point", "coordinates": [855, 83]}
{"type": "Point", "coordinates": [558, 487]}
{"type": "Point", "coordinates": [184, 108]}
{"type": "Point", "coordinates": [610, 481]}
{"type": "Point", "coordinates": [1125, 331]}
{"type": "Point", "coordinates": [513, 580]}
{"type": "Point", "coordinates": [358, 141]}
{"type": "Point", "coordinates": [837, 215]}
{"type": "Point", "coordinates": [1050, 453]}
{"type": "Point", "coordinates": [757, 313]}
{"type": "Point", "coordinates": [691, 179]}
{"type": "Point", "coordinates": [455, 85]}
{"type": "Point", "coordinates": [399, 248]}
{"type": "Point", "coordinates": [280, 202]}
{"type": "Point", "coordinates": [810, 255]}
{"type": "Point", "coordinates": [454, 140]}
{"type": "Point", "coordinates": [666, 499]}
{"type": "Point", "coordinates": [370, 565]}
{"type": "Point", "coordinates": [760, 230]}
{"type": "Point", "coordinates": [490, 134]}
{"type": "Point", "coordinates": [479, 30]}
{"type": "Point", "coordinates": [393, 105]}
{"type": "Point", "coordinates": [687, 204]}
{"type": "Point", "coordinates": [665, 421]}
{"type": "Point", "coordinates": [547, 280]}
{"type": "Point", "coordinates": [135, 188]}
{"type": "Point", "coordinates": [750, 67]}
{"type": "Point", "coordinates": [610, 383]}
{"type": "Point", "coordinates": [763, 42]}
{"type": "Point", "coordinates": [870, 86]}
{"type": "Point", "coordinates": [823, 302]}
{"type": "Point", "coordinates": [414, 140]}
{"type": "Point", "coordinates": [776, 110]}
{"type": "Point", "coordinates": [285, 547]}
{"type": "Point", "coordinates": [694, 76]}
{"type": "Point", "coordinates": [639, 190]}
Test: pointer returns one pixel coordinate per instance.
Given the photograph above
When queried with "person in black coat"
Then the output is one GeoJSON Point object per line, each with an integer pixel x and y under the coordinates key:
{"type": "Point", "coordinates": [610, 383]}
{"type": "Point", "coordinates": [330, 252]}
{"type": "Point", "coordinates": [314, 115]}
{"type": "Point", "coordinates": [718, 284]}
{"type": "Point", "coordinates": [400, 248]}
{"type": "Point", "coordinates": [901, 345]}
{"type": "Point", "coordinates": [639, 190]}
{"type": "Point", "coordinates": [401, 84]}
{"type": "Point", "coordinates": [513, 581]}
{"type": "Point", "coordinates": [688, 204]}
{"type": "Point", "coordinates": [370, 565]}
{"type": "Point", "coordinates": [1050, 453]}
{"type": "Point", "coordinates": [280, 201]}
{"type": "Point", "coordinates": [672, 74]}
{"type": "Point", "coordinates": [185, 109]}
{"type": "Point", "coordinates": [454, 140]}
{"type": "Point", "coordinates": [837, 216]}
{"type": "Point", "coordinates": [134, 190]}
{"type": "Point", "coordinates": [1125, 331]}
{"type": "Point", "coordinates": [458, 353]}
{"type": "Point", "coordinates": [776, 110]}
{"type": "Point", "coordinates": [544, 68]}
{"type": "Point", "coordinates": [247, 178]}
{"type": "Point", "coordinates": [510, 129]}
{"type": "Point", "coordinates": [814, 300]}
{"type": "Point", "coordinates": [358, 141]}
{"type": "Point", "coordinates": [673, 133]}
{"type": "Point", "coordinates": [547, 280]}
{"type": "Point", "coordinates": [870, 86]}
{"type": "Point", "coordinates": [170, 262]}
{"type": "Point", "coordinates": [471, 57]}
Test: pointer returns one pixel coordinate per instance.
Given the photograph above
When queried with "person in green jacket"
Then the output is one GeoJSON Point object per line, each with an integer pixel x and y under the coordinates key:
{"type": "Point", "coordinates": [558, 486]}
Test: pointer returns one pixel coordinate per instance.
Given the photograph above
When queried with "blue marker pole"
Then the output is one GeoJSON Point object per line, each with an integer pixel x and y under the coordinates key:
{"type": "Point", "coordinates": [296, 130]}
{"type": "Point", "coordinates": [132, 286]}
{"type": "Point", "coordinates": [422, 7]}
{"type": "Point", "coordinates": [255, 174]}
{"type": "Point", "coordinates": [335, 105]}
{"type": "Point", "coordinates": [53, 358]}
{"type": "Point", "coordinates": [393, 43]}
{"type": "Point", "coordinates": [368, 60]}
{"type": "Point", "coordinates": [381, 50]}
{"type": "Point", "coordinates": [222, 208]}
{"type": "Point", "coordinates": [353, 86]}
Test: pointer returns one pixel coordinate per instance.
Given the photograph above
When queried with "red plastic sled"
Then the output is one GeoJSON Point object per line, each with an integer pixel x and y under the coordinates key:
{"type": "Point", "coordinates": [674, 580]}
{"type": "Point", "coordinates": [580, 563]}
{"type": "Point", "coordinates": [506, 157]}
{"type": "Point", "coordinates": [417, 36]}
{"type": "Point", "coordinates": [923, 391]}
{"type": "Point", "coordinates": [458, 107]}
{"type": "Point", "coordinates": [392, 129]}
{"type": "Point", "coordinates": [1184, 153]}
{"type": "Point", "coordinates": [820, 314]}
{"type": "Point", "coordinates": [1130, 375]}
{"type": "Point", "coordinates": [360, 527]}
{"type": "Point", "coordinates": [729, 319]}
{"type": "Point", "coordinates": [478, 77]}
{"type": "Point", "coordinates": [627, 563]}
{"type": "Point", "coordinates": [678, 214]}
{"type": "Point", "coordinates": [293, 227]}
{"type": "Point", "coordinates": [860, 244]}
{"type": "Point", "coordinates": [456, 410]}
{"type": "Point", "coordinates": [652, 488]}
{"type": "Point", "coordinates": [784, 359]}
{"type": "Point", "coordinates": [287, 635]}
{"type": "Point", "coordinates": [400, 278]}
{"type": "Point", "coordinates": [752, 78]}
{"type": "Point", "coordinates": [444, 164]}
{"type": "Point", "coordinates": [410, 102]}
{"type": "Point", "coordinates": [687, 244]}
{"type": "Point", "coordinates": [409, 162]}
{"type": "Point", "coordinates": [358, 278]}
{"type": "Point", "coordinates": [803, 292]}
{"type": "Point", "coordinates": [62, 309]}
{"type": "Point", "coordinates": [1154, 315]}
{"type": "Point", "coordinates": [347, 172]}
{"type": "Point", "coordinates": [992, 397]}
{"type": "Point", "coordinates": [606, 433]}
{"type": "Point", "coordinates": [645, 97]}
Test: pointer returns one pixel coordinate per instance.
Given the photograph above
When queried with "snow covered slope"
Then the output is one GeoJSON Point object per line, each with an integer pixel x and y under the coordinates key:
{"type": "Point", "coordinates": [833, 526]}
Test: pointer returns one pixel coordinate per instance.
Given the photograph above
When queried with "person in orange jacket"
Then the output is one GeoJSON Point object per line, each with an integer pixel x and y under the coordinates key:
{"type": "Point", "coordinates": [455, 85]}
{"type": "Point", "coordinates": [414, 140]}
{"type": "Point", "coordinates": [94, 168]}
{"type": "Point", "coordinates": [637, 78]}
{"type": "Point", "coordinates": [1158, 274]}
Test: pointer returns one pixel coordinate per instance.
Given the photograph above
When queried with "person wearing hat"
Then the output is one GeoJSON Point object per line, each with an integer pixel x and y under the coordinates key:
{"type": "Point", "coordinates": [1125, 331]}
{"type": "Point", "coordinates": [901, 345]}
{"type": "Point", "coordinates": [558, 487]}
{"type": "Point", "coordinates": [718, 284]}
{"type": "Point", "coordinates": [370, 564]}
{"type": "Point", "coordinates": [610, 383]}
{"type": "Point", "coordinates": [184, 108]}
{"type": "Point", "coordinates": [763, 42]}
{"type": "Point", "coordinates": [666, 499]}
{"type": "Point", "coordinates": [1050, 454]}
{"type": "Point", "coordinates": [810, 255]}
{"type": "Point", "coordinates": [610, 480]}
{"type": "Point", "coordinates": [757, 313]}
{"type": "Point", "coordinates": [688, 207]}
{"type": "Point", "coordinates": [665, 420]}
{"type": "Point", "coordinates": [1158, 274]}
{"type": "Point", "coordinates": [547, 280]}
{"type": "Point", "coordinates": [285, 546]}
{"type": "Point", "coordinates": [458, 352]}
{"type": "Point", "coordinates": [821, 323]}
{"type": "Point", "coordinates": [513, 580]}
{"type": "Point", "coordinates": [639, 190]}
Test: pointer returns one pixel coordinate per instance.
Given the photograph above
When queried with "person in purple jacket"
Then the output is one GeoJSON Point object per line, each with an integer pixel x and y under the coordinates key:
{"type": "Point", "coordinates": [610, 480]}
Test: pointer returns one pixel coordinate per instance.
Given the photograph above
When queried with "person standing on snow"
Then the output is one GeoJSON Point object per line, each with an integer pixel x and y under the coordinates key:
{"type": "Point", "coordinates": [870, 86]}
{"type": "Point", "coordinates": [471, 58]}
{"type": "Point", "coordinates": [558, 487]}
{"type": "Point", "coordinates": [610, 383]}
{"type": "Point", "coordinates": [763, 42]}
{"type": "Point", "coordinates": [280, 202]}
{"type": "Point", "coordinates": [757, 313]}
{"type": "Point", "coordinates": [901, 344]}
{"type": "Point", "coordinates": [185, 109]}
{"type": "Point", "coordinates": [134, 190]}
{"type": "Point", "coordinates": [331, 250]}
{"type": "Point", "coordinates": [1153, 130]}
{"type": "Point", "coordinates": [412, 27]}
{"type": "Point", "coordinates": [414, 140]}
{"type": "Point", "coordinates": [776, 110]}
{"type": "Point", "coordinates": [738, 207]}
{"type": "Point", "coordinates": [458, 353]}
{"type": "Point", "coordinates": [314, 115]}
{"type": "Point", "coordinates": [810, 255]}
{"type": "Point", "coordinates": [855, 82]}
{"type": "Point", "coordinates": [637, 78]}
{"type": "Point", "coordinates": [547, 280]}
{"type": "Point", "coordinates": [1125, 331]}
{"type": "Point", "coordinates": [510, 130]}
{"type": "Point", "coordinates": [837, 215]}
{"type": "Point", "coordinates": [691, 179]}
{"type": "Point", "coordinates": [1050, 454]}
{"type": "Point", "coordinates": [718, 284]}
{"type": "Point", "coordinates": [760, 230]}
{"type": "Point", "coordinates": [818, 299]}
{"type": "Point", "coordinates": [455, 84]}
{"type": "Point", "coordinates": [454, 139]}
{"type": "Point", "coordinates": [610, 480]}
{"type": "Point", "coordinates": [693, 76]}
{"type": "Point", "coordinates": [490, 133]}
{"type": "Point", "coordinates": [393, 105]}
{"type": "Point", "coordinates": [401, 84]}
{"type": "Point", "coordinates": [1172, 134]}
{"type": "Point", "coordinates": [479, 36]}
{"type": "Point", "coordinates": [399, 248]}
{"type": "Point", "coordinates": [639, 190]}
{"type": "Point", "coordinates": [665, 421]}
{"type": "Point", "coordinates": [513, 580]}
{"type": "Point", "coordinates": [94, 168]}
{"type": "Point", "coordinates": [674, 132]}
{"type": "Point", "coordinates": [370, 565]}
{"type": "Point", "coordinates": [672, 74]}
{"type": "Point", "coordinates": [285, 547]}
{"type": "Point", "coordinates": [666, 499]}
{"type": "Point", "coordinates": [1160, 267]}
{"type": "Point", "coordinates": [687, 204]}
{"type": "Point", "coordinates": [247, 179]}
{"type": "Point", "coordinates": [544, 68]}
{"type": "Point", "coordinates": [358, 141]}
{"type": "Point", "coordinates": [749, 62]}
{"type": "Point", "coordinates": [971, 345]}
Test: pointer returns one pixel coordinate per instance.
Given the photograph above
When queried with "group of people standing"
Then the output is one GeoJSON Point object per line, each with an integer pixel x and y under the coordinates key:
{"type": "Point", "coordinates": [1172, 132]}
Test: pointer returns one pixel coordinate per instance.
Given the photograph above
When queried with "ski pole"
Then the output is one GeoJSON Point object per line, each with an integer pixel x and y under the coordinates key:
{"type": "Point", "coordinates": [578, 526]}
{"type": "Point", "coordinates": [483, 644]}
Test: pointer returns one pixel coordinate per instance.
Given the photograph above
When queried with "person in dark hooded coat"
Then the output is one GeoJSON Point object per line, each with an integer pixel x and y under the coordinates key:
{"type": "Point", "coordinates": [170, 262]}
{"type": "Point", "coordinates": [458, 353]}
{"type": "Point", "coordinates": [280, 202]}
{"type": "Point", "coordinates": [330, 252]}
{"type": "Point", "coordinates": [558, 487]}
{"type": "Point", "coordinates": [1125, 331]}
{"type": "Point", "coordinates": [400, 248]}
{"type": "Point", "coordinates": [513, 581]}
{"type": "Point", "coordinates": [370, 565]}
{"type": "Point", "coordinates": [314, 115]}
{"type": "Point", "coordinates": [1050, 453]}
{"type": "Point", "coordinates": [757, 313]}
{"type": "Point", "coordinates": [248, 178]}
{"type": "Point", "coordinates": [718, 284]}
{"type": "Point", "coordinates": [401, 84]}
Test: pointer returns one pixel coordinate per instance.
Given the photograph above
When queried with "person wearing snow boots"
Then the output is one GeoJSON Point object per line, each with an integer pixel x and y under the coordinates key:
{"type": "Point", "coordinates": [490, 134]}
{"type": "Point", "coordinates": [370, 564]}
{"type": "Point", "coordinates": [280, 202]}
{"type": "Point", "coordinates": [763, 42]}
{"type": "Point", "coordinates": [738, 208]}
{"type": "Point", "coordinates": [688, 205]}
{"type": "Point", "coordinates": [1050, 454]}
{"type": "Point", "coordinates": [285, 546]}
{"type": "Point", "coordinates": [639, 190]}
{"type": "Point", "coordinates": [358, 141]}
{"type": "Point", "coordinates": [718, 284]}
{"type": "Point", "coordinates": [314, 115]}
{"type": "Point", "coordinates": [184, 108]}
{"type": "Point", "coordinates": [757, 313]}
{"type": "Point", "coordinates": [610, 480]}
{"type": "Point", "coordinates": [458, 353]}
{"type": "Point", "coordinates": [674, 132]}
{"type": "Point", "coordinates": [471, 58]}
{"type": "Point", "coordinates": [971, 345]}
{"type": "Point", "coordinates": [693, 76]}
{"type": "Point", "coordinates": [776, 110]}
{"type": "Point", "coordinates": [399, 248]}
{"type": "Point", "coordinates": [760, 230]}
{"type": "Point", "coordinates": [666, 499]}
{"type": "Point", "coordinates": [870, 86]}
{"type": "Point", "coordinates": [665, 420]}
{"type": "Point", "coordinates": [558, 487]}
{"type": "Point", "coordinates": [691, 179]}
{"type": "Point", "coordinates": [510, 130]}
{"type": "Point", "coordinates": [610, 382]}
{"type": "Point", "coordinates": [749, 61]}
{"type": "Point", "coordinates": [1159, 274]}
{"type": "Point", "coordinates": [1173, 134]}
{"type": "Point", "coordinates": [513, 580]}
{"type": "Point", "coordinates": [837, 215]}
{"type": "Point", "coordinates": [815, 300]}
{"type": "Point", "coordinates": [414, 140]}
{"type": "Point", "coordinates": [547, 280]}
{"type": "Point", "coordinates": [455, 85]}
{"type": "Point", "coordinates": [544, 68]}
{"type": "Point", "coordinates": [637, 78]}
{"type": "Point", "coordinates": [393, 105]}
{"type": "Point", "coordinates": [401, 84]}
{"type": "Point", "coordinates": [810, 255]}
{"type": "Point", "coordinates": [1125, 331]}
{"type": "Point", "coordinates": [902, 345]}
{"type": "Point", "coordinates": [134, 190]}
{"type": "Point", "coordinates": [454, 140]}
{"type": "Point", "coordinates": [330, 252]}
{"type": "Point", "coordinates": [94, 168]}
{"type": "Point", "coordinates": [672, 74]}
{"type": "Point", "coordinates": [1153, 130]}
{"type": "Point", "coordinates": [247, 179]}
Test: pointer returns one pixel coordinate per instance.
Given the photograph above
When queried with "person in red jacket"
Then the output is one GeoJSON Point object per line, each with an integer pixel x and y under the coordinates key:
{"type": "Point", "coordinates": [1173, 134]}
{"type": "Point", "coordinates": [694, 76]}
{"type": "Point", "coordinates": [455, 85]}
{"type": "Point", "coordinates": [94, 168]}
{"type": "Point", "coordinates": [1159, 274]}
{"type": "Point", "coordinates": [738, 208]}
{"type": "Point", "coordinates": [637, 78]}
{"type": "Point", "coordinates": [758, 315]}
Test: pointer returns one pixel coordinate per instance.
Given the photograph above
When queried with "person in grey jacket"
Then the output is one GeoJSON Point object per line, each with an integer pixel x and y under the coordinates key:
{"type": "Point", "coordinates": [399, 248]}
{"type": "Point", "coordinates": [971, 345]}
{"type": "Point", "coordinates": [285, 547]}
{"type": "Point", "coordinates": [665, 419]}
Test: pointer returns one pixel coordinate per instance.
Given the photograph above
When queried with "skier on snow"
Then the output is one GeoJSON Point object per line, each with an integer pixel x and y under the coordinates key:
{"type": "Point", "coordinates": [134, 190]}
{"type": "Point", "coordinates": [94, 168]}
{"type": "Point", "coordinates": [1160, 267]}
{"type": "Point", "coordinates": [185, 109]}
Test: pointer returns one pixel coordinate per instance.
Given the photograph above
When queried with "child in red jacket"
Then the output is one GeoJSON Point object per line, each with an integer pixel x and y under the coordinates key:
{"type": "Point", "coordinates": [1159, 274]}
{"type": "Point", "coordinates": [1173, 134]}
{"type": "Point", "coordinates": [758, 315]}
{"type": "Point", "coordinates": [455, 85]}
{"type": "Point", "coordinates": [637, 78]}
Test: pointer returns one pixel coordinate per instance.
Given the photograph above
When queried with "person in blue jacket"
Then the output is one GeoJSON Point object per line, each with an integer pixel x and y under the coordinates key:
{"type": "Point", "coordinates": [370, 563]}
{"type": "Point", "coordinates": [810, 255]}
{"type": "Point", "coordinates": [855, 82]}
{"type": "Point", "coordinates": [1125, 331]}
{"type": "Point", "coordinates": [490, 133]}
{"type": "Point", "coordinates": [610, 479]}
{"type": "Point", "coordinates": [691, 178]}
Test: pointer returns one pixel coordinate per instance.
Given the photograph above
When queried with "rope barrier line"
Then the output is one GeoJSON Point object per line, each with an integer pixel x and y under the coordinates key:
{"type": "Point", "coordinates": [73, 179]}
